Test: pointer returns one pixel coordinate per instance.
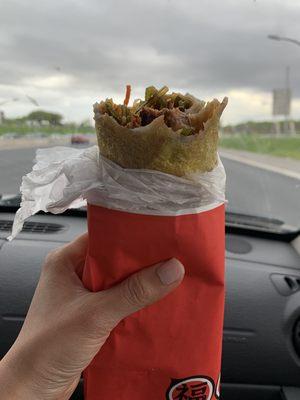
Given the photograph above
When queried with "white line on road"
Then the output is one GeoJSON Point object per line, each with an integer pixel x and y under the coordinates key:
{"type": "Point", "coordinates": [261, 165]}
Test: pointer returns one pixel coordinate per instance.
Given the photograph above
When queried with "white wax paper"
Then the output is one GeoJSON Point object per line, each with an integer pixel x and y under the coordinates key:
{"type": "Point", "coordinates": [65, 177]}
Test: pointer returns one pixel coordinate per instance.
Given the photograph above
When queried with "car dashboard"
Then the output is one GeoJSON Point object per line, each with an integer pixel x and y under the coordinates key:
{"type": "Point", "coordinates": [261, 341]}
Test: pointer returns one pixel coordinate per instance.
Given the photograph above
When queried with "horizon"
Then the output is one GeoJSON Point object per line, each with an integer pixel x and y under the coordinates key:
{"type": "Point", "coordinates": [271, 120]}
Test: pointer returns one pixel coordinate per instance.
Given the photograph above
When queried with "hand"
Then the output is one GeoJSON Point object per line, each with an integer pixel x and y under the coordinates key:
{"type": "Point", "coordinates": [66, 324]}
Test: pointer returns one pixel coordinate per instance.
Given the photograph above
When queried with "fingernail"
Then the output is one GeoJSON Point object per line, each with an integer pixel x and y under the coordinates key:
{"type": "Point", "coordinates": [170, 272]}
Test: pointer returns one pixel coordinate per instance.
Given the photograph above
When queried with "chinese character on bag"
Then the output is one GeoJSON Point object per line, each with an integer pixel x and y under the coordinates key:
{"type": "Point", "coordinates": [194, 391]}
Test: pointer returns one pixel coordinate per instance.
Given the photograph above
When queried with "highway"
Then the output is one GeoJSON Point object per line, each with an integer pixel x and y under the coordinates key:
{"type": "Point", "coordinates": [250, 190]}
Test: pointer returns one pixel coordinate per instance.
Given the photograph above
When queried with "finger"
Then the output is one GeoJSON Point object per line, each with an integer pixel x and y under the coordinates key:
{"type": "Point", "coordinates": [69, 259]}
{"type": "Point", "coordinates": [142, 289]}
{"type": "Point", "coordinates": [75, 253]}
{"type": "Point", "coordinates": [76, 250]}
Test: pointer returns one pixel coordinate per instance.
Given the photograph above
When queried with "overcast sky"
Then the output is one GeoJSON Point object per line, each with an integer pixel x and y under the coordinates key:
{"type": "Point", "coordinates": [68, 54]}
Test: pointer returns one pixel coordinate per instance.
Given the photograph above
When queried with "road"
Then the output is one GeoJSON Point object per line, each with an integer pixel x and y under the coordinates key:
{"type": "Point", "coordinates": [250, 190]}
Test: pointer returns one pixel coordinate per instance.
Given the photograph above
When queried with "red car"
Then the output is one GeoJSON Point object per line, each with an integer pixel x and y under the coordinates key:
{"type": "Point", "coordinates": [79, 139]}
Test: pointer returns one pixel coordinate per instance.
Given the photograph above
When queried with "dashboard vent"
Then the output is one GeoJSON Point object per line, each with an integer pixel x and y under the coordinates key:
{"type": "Point", "coordinates": [286, 284]}
{"type": "Point", "coordinates": [32, 227]}
{"type": "Point", "coordinates": [296, 337]}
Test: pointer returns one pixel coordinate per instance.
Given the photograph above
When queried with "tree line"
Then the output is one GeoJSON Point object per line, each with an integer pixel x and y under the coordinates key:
{"type": "Point", "coordinates": [39, 117]}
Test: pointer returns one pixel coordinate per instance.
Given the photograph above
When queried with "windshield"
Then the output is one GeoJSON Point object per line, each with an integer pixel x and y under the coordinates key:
{"type": "Point", "coordinates": [59, 59]}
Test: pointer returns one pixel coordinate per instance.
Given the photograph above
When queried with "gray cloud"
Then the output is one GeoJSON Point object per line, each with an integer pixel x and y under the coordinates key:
{"type": "Point", "coordinates": [197, 45]}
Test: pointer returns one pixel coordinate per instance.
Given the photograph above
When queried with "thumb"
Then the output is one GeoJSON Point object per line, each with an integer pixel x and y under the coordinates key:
{"type": "Point", "coordinates": [143, 288]}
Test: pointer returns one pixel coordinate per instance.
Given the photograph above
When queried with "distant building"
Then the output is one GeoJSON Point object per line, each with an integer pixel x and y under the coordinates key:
{"type": "Point", "coordinates": [37, 123]}
{"type": "Point", "coordinates": [2, 117]}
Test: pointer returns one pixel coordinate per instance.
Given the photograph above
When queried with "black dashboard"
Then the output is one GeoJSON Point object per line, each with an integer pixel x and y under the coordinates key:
{"type": "Point", "coordinates": [261, 344]}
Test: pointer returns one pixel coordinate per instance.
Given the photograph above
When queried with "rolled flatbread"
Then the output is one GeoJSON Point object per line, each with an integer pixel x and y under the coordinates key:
{"type": "Point", "coordinates": [172, 133]}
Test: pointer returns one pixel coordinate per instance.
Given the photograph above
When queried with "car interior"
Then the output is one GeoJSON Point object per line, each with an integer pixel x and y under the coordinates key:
{"type": "Point", "coordinates": [261, 337]}
{"type": "Point", "coordinates": [74, 74]}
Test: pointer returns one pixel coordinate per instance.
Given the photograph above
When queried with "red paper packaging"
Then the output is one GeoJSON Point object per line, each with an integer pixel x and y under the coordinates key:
{"type": "Point", "coordinates": [171, 349]}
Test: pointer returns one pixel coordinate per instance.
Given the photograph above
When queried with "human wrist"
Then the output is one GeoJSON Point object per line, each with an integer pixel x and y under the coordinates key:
{"type": "Point", "coordinates": [16, 381]}
{"type": "Point", "coordinates": [23, 377]}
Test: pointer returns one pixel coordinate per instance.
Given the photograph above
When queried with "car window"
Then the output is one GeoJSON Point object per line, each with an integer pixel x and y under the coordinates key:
{"type": "Point", "coordinates": [57, 59]}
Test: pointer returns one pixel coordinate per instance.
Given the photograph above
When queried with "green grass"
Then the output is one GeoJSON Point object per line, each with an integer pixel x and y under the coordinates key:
{"type": "Point", "coordinates": [276, 146]}
{"type": "Point", "coordinates": [22, 129]}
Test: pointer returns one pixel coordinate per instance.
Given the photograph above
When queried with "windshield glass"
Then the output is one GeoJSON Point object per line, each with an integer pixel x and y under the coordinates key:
{"type": "Point", "coordinates": [57, 60]}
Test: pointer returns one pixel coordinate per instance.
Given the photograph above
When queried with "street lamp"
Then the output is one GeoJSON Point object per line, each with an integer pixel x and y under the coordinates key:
{"type": "Point", "coordinates": [285, 39]}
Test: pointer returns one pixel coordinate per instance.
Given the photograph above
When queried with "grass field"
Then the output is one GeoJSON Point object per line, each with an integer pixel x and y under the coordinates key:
{"type": "Point", "coordinates": [24, 129]}
{"type": "Point", "coordinates": [276, 146]}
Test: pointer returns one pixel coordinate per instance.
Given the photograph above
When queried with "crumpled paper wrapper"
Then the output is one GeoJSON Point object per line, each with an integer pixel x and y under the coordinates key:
{"type": "Point", "coordinates": [64, 177]}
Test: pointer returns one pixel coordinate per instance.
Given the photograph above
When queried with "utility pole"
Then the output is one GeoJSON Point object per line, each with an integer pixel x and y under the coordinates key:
{"type": "Point", "coordinates": [286, 127]}
{"type": "Point", "coordinates": [289, 124]}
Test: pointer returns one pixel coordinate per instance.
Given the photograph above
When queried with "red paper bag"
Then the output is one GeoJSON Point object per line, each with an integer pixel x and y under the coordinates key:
{"type": "Point", "coordinates": [172, 349]}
